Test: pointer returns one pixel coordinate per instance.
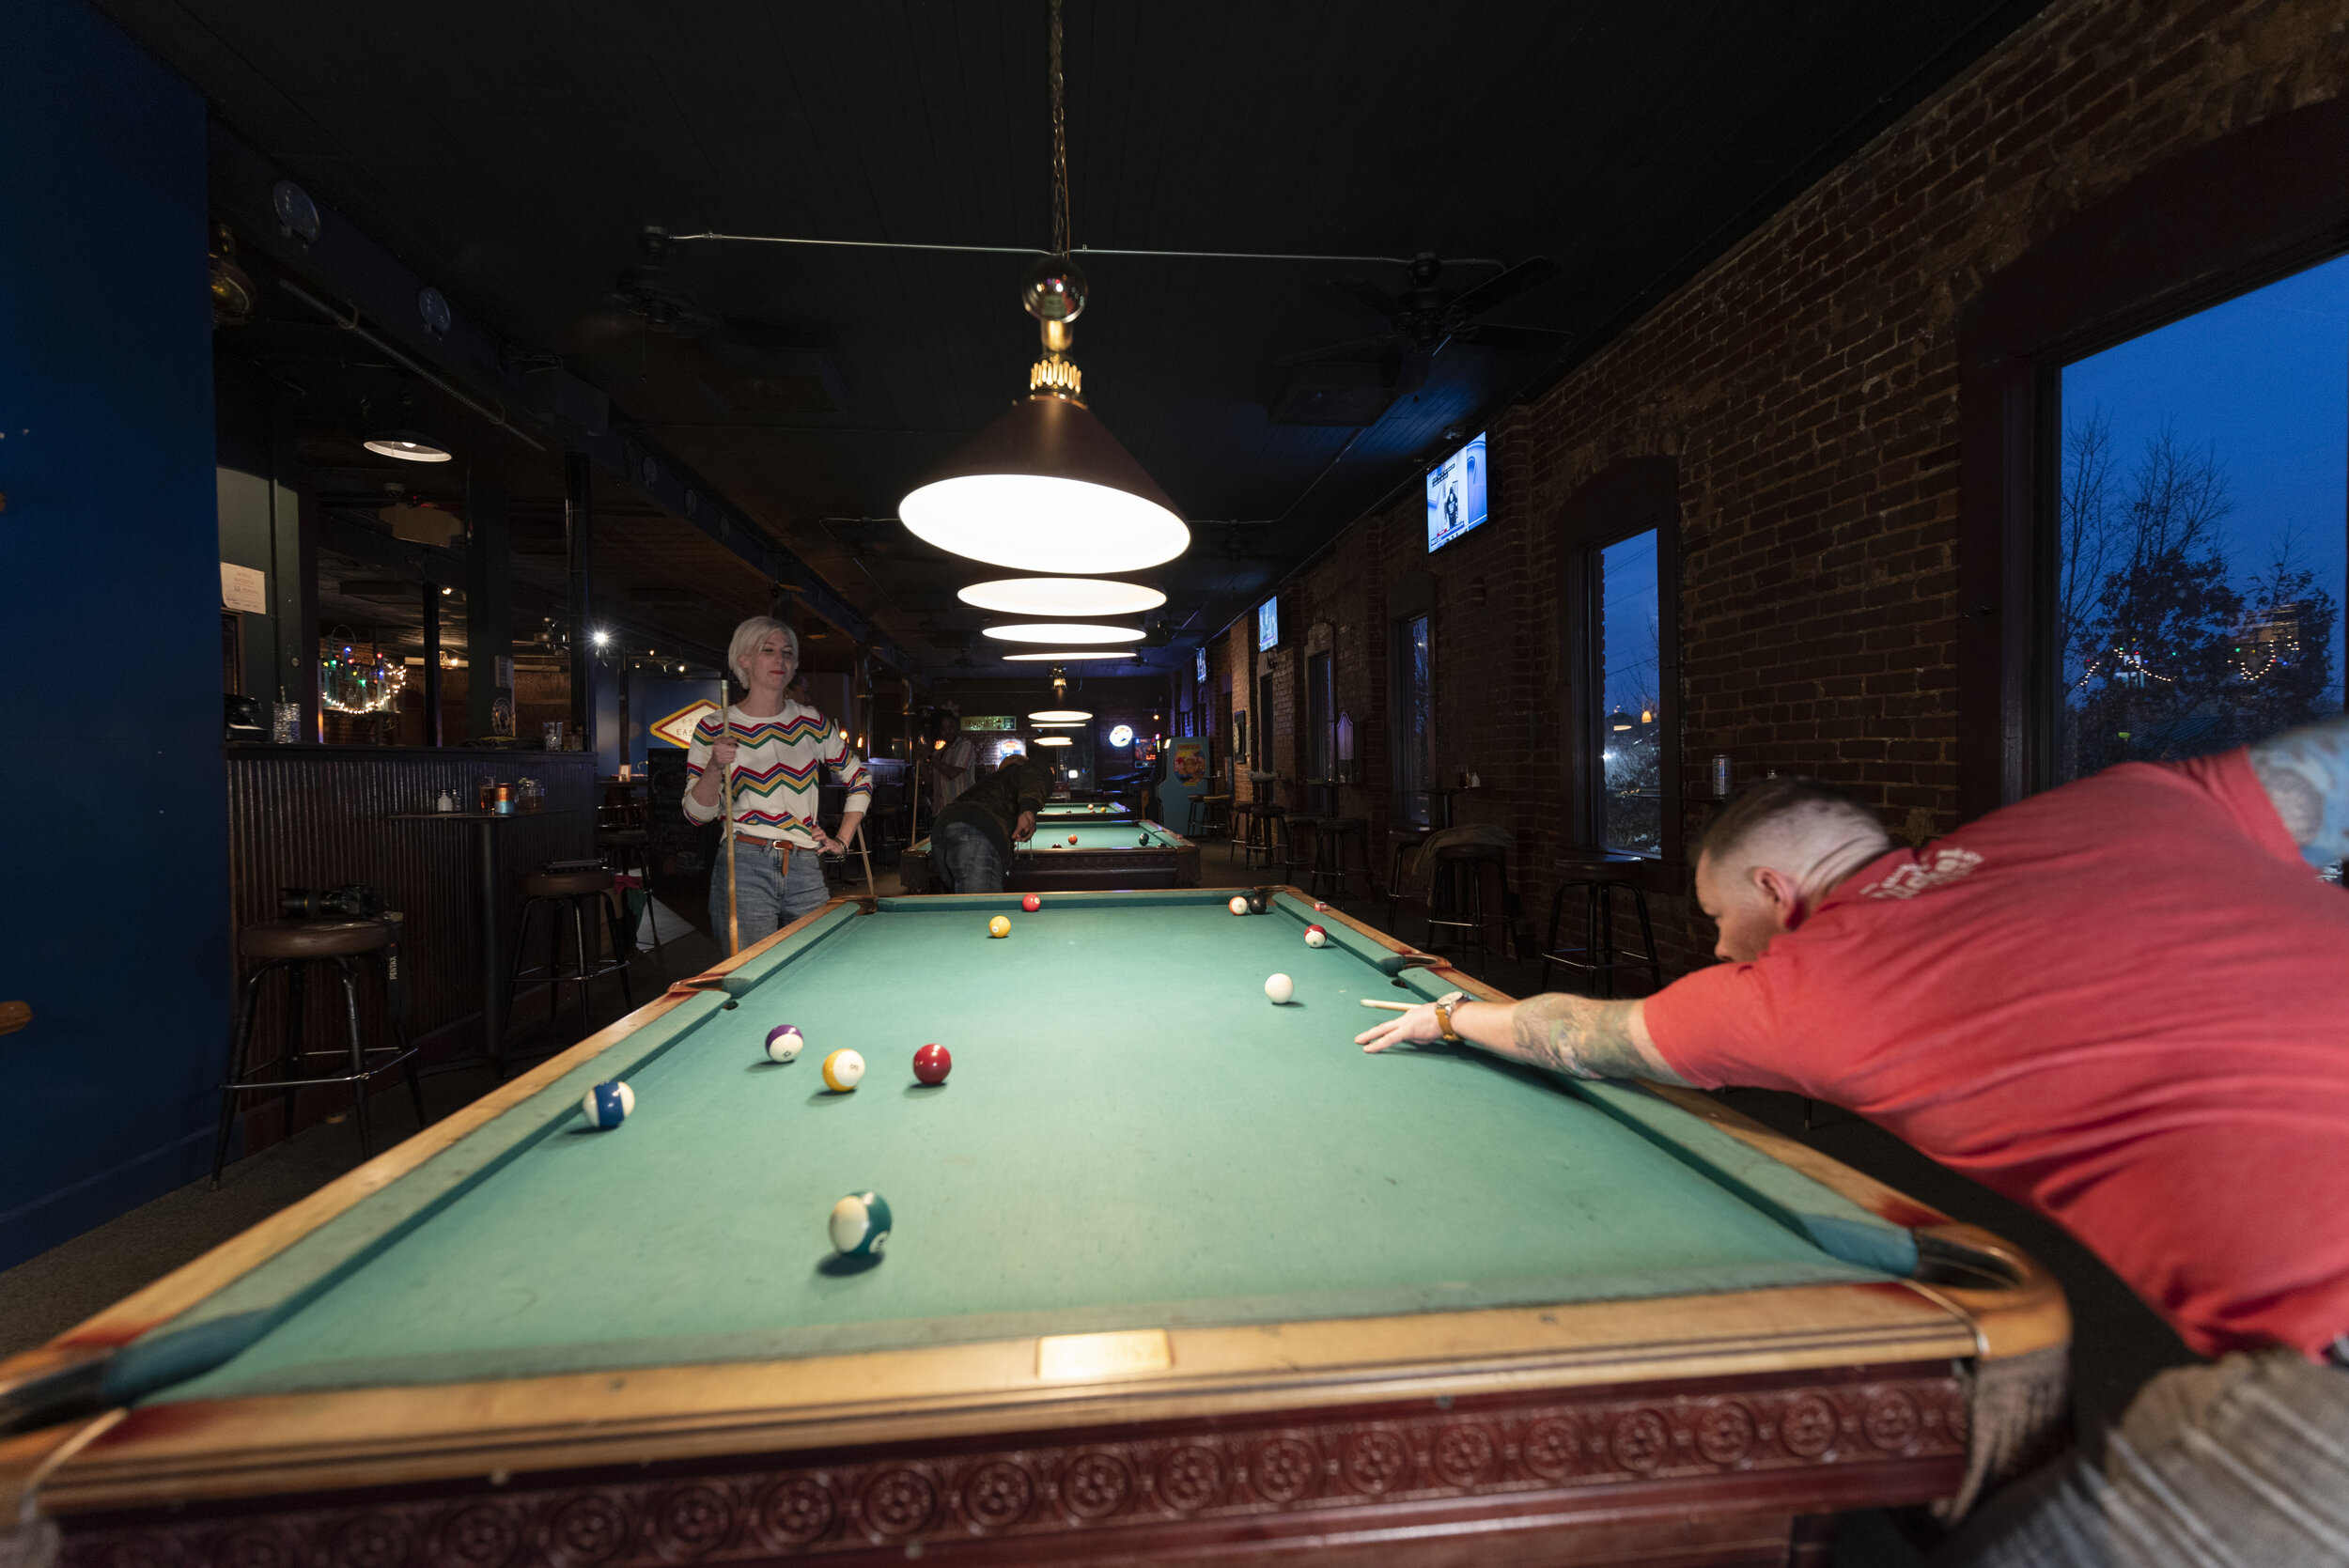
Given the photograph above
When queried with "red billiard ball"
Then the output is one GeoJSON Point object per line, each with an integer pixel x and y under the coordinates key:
{"type": "Point", "coordinates": [1072, 838]}
{"type": "Point", "coordinates": [1032, 902]}
{"type": "Point", "coordinates": [931, 1063]}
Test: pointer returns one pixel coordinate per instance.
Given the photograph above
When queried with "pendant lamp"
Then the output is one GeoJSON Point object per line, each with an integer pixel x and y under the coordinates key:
{"type": "Point", "coordinates": [1047, 488]}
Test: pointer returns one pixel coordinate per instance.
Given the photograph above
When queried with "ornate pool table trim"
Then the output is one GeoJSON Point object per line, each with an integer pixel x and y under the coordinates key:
{"type": "Point", "coordinates": [1612, 1461]}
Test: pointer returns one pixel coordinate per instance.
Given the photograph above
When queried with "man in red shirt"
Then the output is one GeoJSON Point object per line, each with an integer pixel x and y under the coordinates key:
{"type": "Point", "coordinates": [2125, 1002]}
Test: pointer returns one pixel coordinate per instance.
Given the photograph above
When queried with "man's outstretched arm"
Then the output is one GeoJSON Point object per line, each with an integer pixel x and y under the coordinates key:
{"type": "Point", "coordinates": [1565, 1033]}
{"type": "Point", "coordinates": [2306, 774]}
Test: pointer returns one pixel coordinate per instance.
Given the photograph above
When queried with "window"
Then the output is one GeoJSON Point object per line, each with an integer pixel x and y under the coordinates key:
{"type": "Point", "coordinates": [1320, 719]}
{"type": "Point", "coordinates": [2198, 556]}
{"type": "Point", "coordinates": [1629, 664]}
{"type": "Point", "coordinates": [1414, 720]}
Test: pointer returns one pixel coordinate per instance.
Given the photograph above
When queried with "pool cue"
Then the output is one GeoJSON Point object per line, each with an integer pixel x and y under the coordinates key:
{"type": "Point", "coordinates": [863, 850]}
{"type": "Point", "coordinates": [1389, 1006]}
{"type": "Point", "coordinates": [725, 793]}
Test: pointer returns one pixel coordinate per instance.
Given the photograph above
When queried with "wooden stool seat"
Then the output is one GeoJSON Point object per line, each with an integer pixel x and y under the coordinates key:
{"type": "Point", "coordinates": [312, 938]}
{"type": "Point", "coordinates": [567, 884]}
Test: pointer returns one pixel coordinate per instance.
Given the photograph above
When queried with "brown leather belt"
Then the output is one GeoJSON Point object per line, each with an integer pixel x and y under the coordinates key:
{"type": "Point", "coordinates": [758, 843]}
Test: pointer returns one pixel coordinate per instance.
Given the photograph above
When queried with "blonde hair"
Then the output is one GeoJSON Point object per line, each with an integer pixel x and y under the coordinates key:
{"type": "Point", "coordinates": [746, 640]}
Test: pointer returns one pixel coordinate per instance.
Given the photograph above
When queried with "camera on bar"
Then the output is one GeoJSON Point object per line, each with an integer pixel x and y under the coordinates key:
{"type": "Point", "coordinates": [351, 901]}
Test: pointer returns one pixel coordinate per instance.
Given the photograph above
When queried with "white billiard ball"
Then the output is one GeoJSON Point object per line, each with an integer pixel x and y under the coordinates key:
{"type": "Point", "coordinates": [1280, 988]}
{"type": "Point", "coordinates": [1239, 905]}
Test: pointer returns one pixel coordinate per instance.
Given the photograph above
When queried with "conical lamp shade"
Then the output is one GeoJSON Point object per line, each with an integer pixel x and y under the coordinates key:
{"type": "Point", "coordinates": [1047, 488]}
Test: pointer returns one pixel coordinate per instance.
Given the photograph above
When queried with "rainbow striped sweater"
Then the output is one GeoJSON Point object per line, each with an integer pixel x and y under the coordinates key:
{"type": "Point", "coordinates": [776, 771]}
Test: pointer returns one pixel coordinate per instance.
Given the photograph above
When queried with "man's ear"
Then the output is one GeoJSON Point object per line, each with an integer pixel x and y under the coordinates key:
{"type": "Point", "coordinates": [1781, 894]}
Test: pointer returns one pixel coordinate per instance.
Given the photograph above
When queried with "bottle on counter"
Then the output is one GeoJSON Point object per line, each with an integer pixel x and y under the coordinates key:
{"type": "Point", "coordinates": [502, 805]}
{"type": "Point", "coordinates": [447, 802]}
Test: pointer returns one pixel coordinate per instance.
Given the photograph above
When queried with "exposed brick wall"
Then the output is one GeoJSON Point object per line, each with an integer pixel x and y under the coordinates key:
{"type": "Point", "coordinates": [1807, 382]}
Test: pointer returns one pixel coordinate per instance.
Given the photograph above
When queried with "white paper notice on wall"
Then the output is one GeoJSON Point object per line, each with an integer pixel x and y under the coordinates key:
{"type": "Point", "coordinates": [243, 588]}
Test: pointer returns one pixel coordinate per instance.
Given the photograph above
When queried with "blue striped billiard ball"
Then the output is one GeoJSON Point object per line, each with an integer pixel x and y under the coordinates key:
{"type": "Point", "coordinates": [607, 1104]}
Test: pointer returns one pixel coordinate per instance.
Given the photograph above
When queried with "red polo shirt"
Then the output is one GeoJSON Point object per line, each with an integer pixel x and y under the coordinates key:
{"type": "Point", "coordinates": [2124, 1003]}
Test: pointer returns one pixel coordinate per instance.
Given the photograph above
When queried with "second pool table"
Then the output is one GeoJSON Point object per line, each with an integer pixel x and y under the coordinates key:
{"type": "Point", "coordinates": [1175, 1273]}
{"type": "Point", "coordinates": [1129, 854]}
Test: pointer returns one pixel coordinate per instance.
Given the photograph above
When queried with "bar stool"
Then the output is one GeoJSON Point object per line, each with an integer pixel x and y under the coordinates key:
{"type": "Point", "coordinates": [577, 890]}
{"type": "Point", "coordinates": [1455, 895]}
{"type": "Point", "coordinates": [1265, 833]}
{"type": "Point", "coordinates": [1406, 841]}
{"type": "Point", "coordinates": [627, 852]}
{"type": "Point", "coordinates": [293, 946]}
{"type": "Point", "coordinates": [1303, 849]}
{"type": "Point", "coordinates": [1336, 835]}
{"type": "Point", "coordinates": [1599, 875]}
{"type": "Point", "coordinates": [1243, 820]}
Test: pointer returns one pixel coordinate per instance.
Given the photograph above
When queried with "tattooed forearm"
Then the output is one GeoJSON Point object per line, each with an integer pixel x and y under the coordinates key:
{"type": "Point", "coordinates": [2306, 774]}
{"type": "Point", "coordinates": [1577, 1035]}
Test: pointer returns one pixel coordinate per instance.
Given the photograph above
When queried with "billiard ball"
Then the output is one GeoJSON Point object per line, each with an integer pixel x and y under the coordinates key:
{"type": "Point", "coordinates": [860, 1225]}
{"type": "Point", "coordinates": [1143, 842]}
{"type": "Point", "coordinates": [607, 1104]}
{"type": "Point", "coordinates": [1258, 903]}
{"type": "Point", "coordinates": [1032, 902]}
{"type": "Point", "coordinates": [1316, 937]}
{"type": "Point", "coordinates": [931, 1063]}
{"type": "Point", "coordinates": [998, 926]}
{"type": "Point", "coordinates": [1239, 905]}
{"type": "Point", "coordinates": [843, 1071]}
{"type": "Point", "coordinates": [1280, 988]}
{"type": "Point", "coordinates": [784, 1043]}
{"type": "Point", "coordinates": [1072, 841]}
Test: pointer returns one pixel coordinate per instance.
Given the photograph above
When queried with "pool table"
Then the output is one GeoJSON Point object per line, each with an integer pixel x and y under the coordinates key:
{"type": "Point", "coordinates": [1125, 855]}
{"type": "Point", "coordinates": [1174, 1274]}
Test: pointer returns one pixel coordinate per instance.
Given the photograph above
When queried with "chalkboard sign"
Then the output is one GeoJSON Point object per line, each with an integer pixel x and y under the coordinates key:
{"type": "Point", "coordinates": [682, 852]}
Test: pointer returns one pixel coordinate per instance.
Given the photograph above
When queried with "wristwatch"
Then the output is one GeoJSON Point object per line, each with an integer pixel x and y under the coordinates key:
{"type": "Point", "coordinates": [1445, 1005]}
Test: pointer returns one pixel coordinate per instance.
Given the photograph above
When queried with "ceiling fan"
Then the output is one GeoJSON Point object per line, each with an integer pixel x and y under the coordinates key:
{"type": "Point", "coordinates": [1427, 317]}
{"type": "Point", "coordinates": [751, 365]}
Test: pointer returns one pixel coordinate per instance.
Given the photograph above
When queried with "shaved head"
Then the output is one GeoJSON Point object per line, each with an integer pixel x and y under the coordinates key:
{"type": "Point", "coordinates": [1774, 853]}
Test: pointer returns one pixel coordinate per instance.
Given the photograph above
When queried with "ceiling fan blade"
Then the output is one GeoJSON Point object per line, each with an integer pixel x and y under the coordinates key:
{"type": "Point", "coordinates": [1483, 337]}
{"type": "Point", "coordinates": [1366, 296]}
{"type": "Point", "coordinates": [1497, 290]}
{"type": "Point", "coordinates": [1305, 355]}
{"type": "Point", "coordinates": [1416, 361]}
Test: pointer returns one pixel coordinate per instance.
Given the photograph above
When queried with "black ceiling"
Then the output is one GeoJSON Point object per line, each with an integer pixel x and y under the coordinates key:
{"type": "Point", "coordinates": [512, 153]}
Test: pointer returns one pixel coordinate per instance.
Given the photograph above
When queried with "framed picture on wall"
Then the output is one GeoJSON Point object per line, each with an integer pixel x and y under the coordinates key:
{"type": "Point", "coordinates": [1240, 732]}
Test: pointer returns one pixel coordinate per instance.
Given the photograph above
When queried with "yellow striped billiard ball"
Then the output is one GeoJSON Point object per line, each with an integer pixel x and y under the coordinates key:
{"type": "Point", "coordinates": [843, 1071]}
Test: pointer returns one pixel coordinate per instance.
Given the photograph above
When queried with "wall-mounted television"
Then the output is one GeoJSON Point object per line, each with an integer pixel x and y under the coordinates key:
{"type": "Point", "coordinates": [1457, 495]}
{"type": "Point", "coordinates": [1268, 625]}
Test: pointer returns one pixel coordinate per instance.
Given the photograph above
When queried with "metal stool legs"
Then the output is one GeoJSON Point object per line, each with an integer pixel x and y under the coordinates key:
{"type": "Point", "coordinates": [585, 970]}
{"type": "Point", "coordinates": [1598, 955]}
{"type": "Point", "coordinates": [293, 1052]}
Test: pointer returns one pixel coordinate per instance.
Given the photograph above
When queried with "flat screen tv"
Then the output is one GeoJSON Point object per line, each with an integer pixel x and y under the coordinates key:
{"type": "Point", "coordinates": [1268, 625]}
{"type": "Point", "coordinates": [1456, 494]}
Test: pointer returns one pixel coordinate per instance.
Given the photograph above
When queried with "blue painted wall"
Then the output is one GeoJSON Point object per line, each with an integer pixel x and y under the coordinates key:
{"type": "Point", "coordinates": [113, 812]}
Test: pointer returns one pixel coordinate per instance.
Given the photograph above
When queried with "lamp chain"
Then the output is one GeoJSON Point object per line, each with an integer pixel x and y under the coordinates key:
{"type": "Point", "coordinates": [1060, 147]}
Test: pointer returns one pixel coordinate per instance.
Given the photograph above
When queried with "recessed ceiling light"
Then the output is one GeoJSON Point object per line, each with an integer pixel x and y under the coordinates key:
{"type": "Point", "coordinates": [1063, 631]}
{"type": "Point", "coordinates": [1069, 657]}
{"type": "Point", "coordinates": [1061, 595]}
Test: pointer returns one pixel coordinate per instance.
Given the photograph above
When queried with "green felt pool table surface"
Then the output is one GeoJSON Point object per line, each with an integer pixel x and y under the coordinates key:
{"type": "Point", "coordinates": [1097, 835]}
{"type": "Point", "coordinates": [1132, 1134]}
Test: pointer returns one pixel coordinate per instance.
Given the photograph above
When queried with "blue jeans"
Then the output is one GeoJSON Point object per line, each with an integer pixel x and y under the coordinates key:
{"type": "Point", "coordinates": [966, 860]}
{"type": "Point", "coordinates": [766, 896]}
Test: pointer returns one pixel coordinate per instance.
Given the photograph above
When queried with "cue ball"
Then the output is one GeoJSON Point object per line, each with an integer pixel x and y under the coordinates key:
{"type": "Point", "coordinates": [1032, 902]}
{"type": "Point", "coordinates": [1239, 905]}
{"type": "Point", "coordinates": [607, 1104]}
{"type": "Point", "coordinates": [1280, 988]}
{"type": "Point", "coordinates": [784, 1043]}
{"type": "Point", "coordinates": [1316, 937]}
{"type": "Point", "coordinates": [998, 926]}
{"type": "Point", "coordinates": [860, 1225]}
{"type": "Point", "coordinates": [843, 1071]}
{"type": "Point", "coordinates": [931, 1063]}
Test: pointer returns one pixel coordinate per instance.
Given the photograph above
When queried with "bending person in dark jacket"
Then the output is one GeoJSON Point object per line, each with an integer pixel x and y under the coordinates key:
{"type": "Point", "coordinates": [975, 831]}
